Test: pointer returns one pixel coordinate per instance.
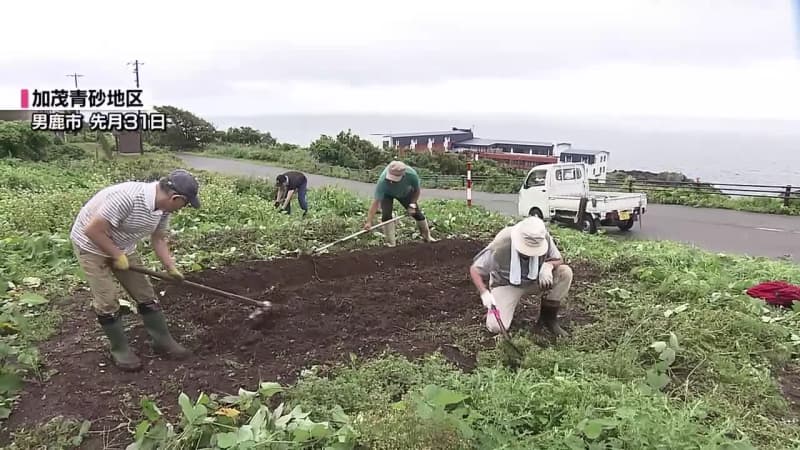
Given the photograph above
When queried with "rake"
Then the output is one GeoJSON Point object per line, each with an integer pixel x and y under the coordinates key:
{"type": "Point", "coordinates": [358, 233]}
{"type": "Point", "coordinates": [503, 330]}
{"type": "Point", "coordinates": [264, 306]}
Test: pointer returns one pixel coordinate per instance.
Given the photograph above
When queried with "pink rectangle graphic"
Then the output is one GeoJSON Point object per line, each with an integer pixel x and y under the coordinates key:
{"type": "Point", "coordinates": [23, 98]}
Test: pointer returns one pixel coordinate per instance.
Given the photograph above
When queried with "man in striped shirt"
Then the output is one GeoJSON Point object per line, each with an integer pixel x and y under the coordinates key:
{"type": "Point", "coordinates": [104, 237]}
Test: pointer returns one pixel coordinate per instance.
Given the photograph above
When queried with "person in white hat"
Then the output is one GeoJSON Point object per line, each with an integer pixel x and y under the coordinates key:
{"type": "Point", "coordinates": [522, 259]}
{"type": "Point", "coordinates": [398, 182]}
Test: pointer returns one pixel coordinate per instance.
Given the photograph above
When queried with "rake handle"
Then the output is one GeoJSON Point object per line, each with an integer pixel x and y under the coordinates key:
{"type": "Point", "coordinates": [165, 277]}
{"type": "Point", "coordinates": [503, 330]}
{"type": "Point", "coordinates": [359, 233]}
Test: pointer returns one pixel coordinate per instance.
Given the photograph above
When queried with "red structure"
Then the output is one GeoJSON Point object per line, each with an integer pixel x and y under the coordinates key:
{"type": "Point", "coordinates": [509, 153]}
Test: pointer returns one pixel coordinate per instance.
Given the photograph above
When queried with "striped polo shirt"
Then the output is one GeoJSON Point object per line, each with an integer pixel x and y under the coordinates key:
{"type": "Point", "coordinates": [130, 207]}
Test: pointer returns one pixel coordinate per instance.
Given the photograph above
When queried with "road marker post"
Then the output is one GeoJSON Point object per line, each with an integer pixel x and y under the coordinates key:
{"type": "Point", "coordinates": [469, 184]}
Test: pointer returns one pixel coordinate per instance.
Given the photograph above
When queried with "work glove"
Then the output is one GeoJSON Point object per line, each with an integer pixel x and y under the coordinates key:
{"type": "Point", "coordinates": [488, 299]}
{"type": "Point", "coordinates": [412, 209]}
{"type": "Point", "coordinates": [175, 274]}
{"type": "Point", "coordinates": [121, 262]}
{"type": "Point", "coordinates": [546, 276]}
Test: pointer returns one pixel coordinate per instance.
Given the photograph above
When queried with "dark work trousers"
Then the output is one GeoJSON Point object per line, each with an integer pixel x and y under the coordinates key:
{"type": "Point", "coordinates": [388, 202]}
{"type": "Point", "coordinates": [301, 198]}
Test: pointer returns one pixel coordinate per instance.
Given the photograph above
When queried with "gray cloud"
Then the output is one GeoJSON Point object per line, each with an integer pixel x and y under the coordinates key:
{"type": "Point", "coordinates": [513, 54]}
{"type": "Point", "coordinates": [445, 47]}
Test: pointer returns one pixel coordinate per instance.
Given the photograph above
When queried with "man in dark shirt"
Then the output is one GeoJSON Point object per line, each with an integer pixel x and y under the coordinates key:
{"type": "Point", "coordinates": [288, 183]}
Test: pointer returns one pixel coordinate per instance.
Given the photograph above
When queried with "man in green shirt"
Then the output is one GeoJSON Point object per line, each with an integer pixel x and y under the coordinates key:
{"type": "Point", "coordinates": [398, 182]}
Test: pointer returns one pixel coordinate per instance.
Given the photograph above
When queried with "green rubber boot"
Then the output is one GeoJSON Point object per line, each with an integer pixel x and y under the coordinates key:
{"type": "Point", "coordinates": [156, 326]}
{"type": "Point", "coordinates": [121, 355]}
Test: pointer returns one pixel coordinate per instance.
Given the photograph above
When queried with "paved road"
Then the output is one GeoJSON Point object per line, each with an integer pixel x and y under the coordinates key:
{"type": "Point", "coordinates": [717, 230]}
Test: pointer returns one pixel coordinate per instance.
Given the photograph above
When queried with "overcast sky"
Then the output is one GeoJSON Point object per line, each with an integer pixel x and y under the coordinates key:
{"type": "Point", "coordinates": [684, 58]}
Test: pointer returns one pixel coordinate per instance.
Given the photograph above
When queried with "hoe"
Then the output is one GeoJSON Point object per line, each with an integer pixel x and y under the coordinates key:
{"type": "Point", "coordinates": [263, 307]}
{"type": "Point", "coordinates": [356, 234]}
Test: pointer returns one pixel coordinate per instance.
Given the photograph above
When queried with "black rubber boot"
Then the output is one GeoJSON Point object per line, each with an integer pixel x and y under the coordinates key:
{"type": "Point", "coordinates": [548, 317]}
{"type": "Point", "coordinates": [156, 326]}
{"type": "Point", "coordinates": [121, 355]}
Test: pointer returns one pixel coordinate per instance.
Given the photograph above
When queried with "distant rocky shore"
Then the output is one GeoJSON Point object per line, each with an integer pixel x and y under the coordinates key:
{"type": "Point", "coordinates": [663, 180]}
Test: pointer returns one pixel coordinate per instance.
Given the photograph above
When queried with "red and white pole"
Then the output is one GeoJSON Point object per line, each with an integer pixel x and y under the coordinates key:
{"type": "Point", "coordinates": [469, 183]}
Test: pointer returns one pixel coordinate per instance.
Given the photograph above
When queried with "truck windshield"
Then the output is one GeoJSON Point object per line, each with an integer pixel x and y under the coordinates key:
{"type": "Point", "coordinates": [536, 178]}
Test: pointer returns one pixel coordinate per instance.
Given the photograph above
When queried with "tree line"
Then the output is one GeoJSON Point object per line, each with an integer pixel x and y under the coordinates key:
{"type": "Point", "coordinates": [188, 131]}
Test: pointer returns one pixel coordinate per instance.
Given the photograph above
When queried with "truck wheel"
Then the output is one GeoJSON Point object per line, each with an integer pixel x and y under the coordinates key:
{"type": "Point", "coordinates": [536, 212]}
{"type": "Point", "coordinates": [626, 225]}
{"type": "Point", "coordinates": [589, 224]}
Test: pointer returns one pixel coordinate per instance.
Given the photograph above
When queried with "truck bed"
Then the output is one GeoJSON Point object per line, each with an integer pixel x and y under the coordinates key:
{"type": "Point", "coordinates": [605, 201]}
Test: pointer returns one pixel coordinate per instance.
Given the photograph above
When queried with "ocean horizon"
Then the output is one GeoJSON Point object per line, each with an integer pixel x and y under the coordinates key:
{"type": "Point", "coordinates": [715, 150]}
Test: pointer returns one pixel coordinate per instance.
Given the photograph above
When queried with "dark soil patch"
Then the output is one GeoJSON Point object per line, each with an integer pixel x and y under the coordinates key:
{"type": "Point", "coordinates": [789, 380]}
{"type": "Point", "coordinates": [413, 300]}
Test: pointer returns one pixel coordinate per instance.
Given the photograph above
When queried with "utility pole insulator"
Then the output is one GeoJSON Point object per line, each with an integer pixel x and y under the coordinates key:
{"type": "Point", "coordinates": [75, 76]}
{"type": "Point", "coordinates": [136, 64]}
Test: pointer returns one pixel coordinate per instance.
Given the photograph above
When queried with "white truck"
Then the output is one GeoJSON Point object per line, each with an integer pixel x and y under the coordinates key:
{"type": "Point", "coordinates": [560, 193]}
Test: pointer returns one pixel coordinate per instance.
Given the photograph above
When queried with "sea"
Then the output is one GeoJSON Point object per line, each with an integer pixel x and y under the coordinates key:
{"type": "Point", "coordinates": [715, 150]}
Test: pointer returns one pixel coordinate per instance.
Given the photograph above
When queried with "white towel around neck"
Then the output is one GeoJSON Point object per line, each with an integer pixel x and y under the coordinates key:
{"type": "Point", "coordinates": [515, 275]}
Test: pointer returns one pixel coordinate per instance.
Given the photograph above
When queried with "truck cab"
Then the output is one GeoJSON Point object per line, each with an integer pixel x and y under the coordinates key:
{"type": "Point", "coordinates": [561, 192]}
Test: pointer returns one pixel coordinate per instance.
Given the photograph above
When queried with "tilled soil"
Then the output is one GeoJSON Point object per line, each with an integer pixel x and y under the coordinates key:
{"type": "Point", "coordinates": [414, 300]}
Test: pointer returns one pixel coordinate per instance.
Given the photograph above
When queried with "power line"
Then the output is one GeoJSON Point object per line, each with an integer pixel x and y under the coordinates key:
{"type": "Point", "coordinates": [136, 64]}
{"type": "Point", "coordinates": [75, 76]}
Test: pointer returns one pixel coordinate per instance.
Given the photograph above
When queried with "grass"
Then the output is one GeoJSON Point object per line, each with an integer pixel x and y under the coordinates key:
{"type": "Point", "coordinates": [677, 357]}
{"type": "Point", "coordinates": [301, 159]}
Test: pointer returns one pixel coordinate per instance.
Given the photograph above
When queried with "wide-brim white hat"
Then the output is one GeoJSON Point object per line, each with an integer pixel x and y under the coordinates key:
{"type": "Point", "coordinates": [529, 237]}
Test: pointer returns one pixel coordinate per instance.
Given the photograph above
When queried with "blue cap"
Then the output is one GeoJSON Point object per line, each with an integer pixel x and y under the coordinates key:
{"type": "Point", "coordinates": [185, 184]}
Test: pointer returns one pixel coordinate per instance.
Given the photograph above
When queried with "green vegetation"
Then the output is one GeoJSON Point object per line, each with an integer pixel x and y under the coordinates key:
{"type": "Point", "coordinates": [17, 140]}
{"type": "Point", "coordinates": [436, 170]}
{"type": "Point", "coordinates": [676, 355]}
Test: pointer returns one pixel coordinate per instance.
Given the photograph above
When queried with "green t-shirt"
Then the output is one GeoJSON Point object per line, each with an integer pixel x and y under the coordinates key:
{"type": "Point", "coordinates": [401, 189]}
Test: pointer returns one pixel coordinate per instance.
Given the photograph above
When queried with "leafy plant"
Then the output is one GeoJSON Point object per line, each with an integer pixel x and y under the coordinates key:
{"type": "Point", "coordinates": [241, 421]}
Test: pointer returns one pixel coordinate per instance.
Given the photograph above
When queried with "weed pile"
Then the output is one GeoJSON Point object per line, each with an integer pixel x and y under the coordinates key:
{"type": "Point", "coordinates": [677, 356]}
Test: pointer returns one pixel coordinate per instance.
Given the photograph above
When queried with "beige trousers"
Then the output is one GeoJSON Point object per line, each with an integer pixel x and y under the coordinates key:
{"type": "Point", "coordinates": [507, 297]}
{"type": "Point", "coordinates": [101, 274]}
